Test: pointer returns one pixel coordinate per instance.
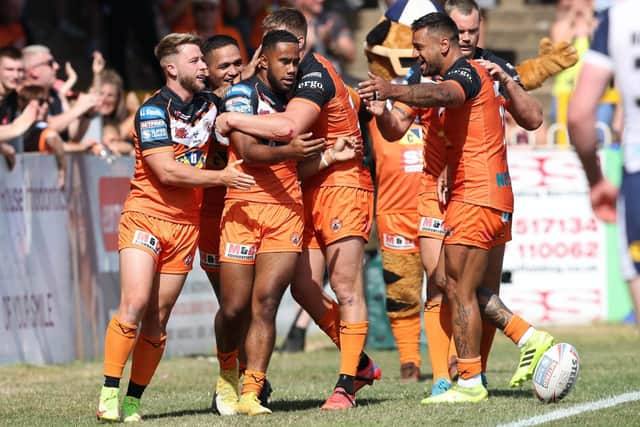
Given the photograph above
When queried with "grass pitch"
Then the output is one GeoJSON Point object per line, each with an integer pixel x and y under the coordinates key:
{"type": "Point", "coordinates": [181, 391]}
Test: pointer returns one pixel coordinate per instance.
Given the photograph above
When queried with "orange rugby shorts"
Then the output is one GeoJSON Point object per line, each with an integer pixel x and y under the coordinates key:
{"type": "Point", "coordinates": [397, 232]}
{"type": "Point", "coordinates": [171, 245]}
{"type": "Point", "coordinates": [431, 215]}
{"type": "Point", "coordinates": [209, 241]}
{"type": "Point", "coordinates": [249, 228]}
{"type": "Point", "coordinates": [475, 225]}
{"type": "Point", "coordinates": [333, 213]}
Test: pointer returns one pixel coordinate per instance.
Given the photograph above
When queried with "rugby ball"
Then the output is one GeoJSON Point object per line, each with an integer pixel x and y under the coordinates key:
{"type": "Point", "coordinates": [556, 373]}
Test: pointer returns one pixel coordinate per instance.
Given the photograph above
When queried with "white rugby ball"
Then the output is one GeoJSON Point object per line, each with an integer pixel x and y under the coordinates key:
{"type": "Point", "coordinates": [556, 373]}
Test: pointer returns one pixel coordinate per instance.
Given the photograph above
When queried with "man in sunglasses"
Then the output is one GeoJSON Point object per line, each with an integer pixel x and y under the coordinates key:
{"type": "Point", "coordinates": [41, 70]}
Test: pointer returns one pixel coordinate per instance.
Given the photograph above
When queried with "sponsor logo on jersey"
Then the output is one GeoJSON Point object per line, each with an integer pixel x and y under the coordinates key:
{"type": "Point", "coordinates": [240, 90]}
{"type": "Point", "coordinates": [152, 124]}
{"type": "Point", "coordinates": [315, 74]}
{"type": "Point", "coordinates": [147, 240]}
{"type": "Point", "coordinates": [240, 252]}
{"type": "Point", "coordinates": [311, 84]}
{"type": "Point", "coordinates": [181, 132]}
{"type": "Point", "coordinates": [432, 225]}
{"type": "Point", "coordinates": [336, 224]}
{"type": "Point", "coordinates": [209, 260]}
{"type": "Point", "coordinates": [634, 251]}
{"type": "Point", "coordinates": [151, 112]}
{"type": "Point", "coordinates": [393, 241]}
{"type": "Point", "coordinates": [154, 134]}
{"type": "Point", "coordinates": [194, 158]}
{"type": "Point", "coordinates": [503, 179]}
{"type": "Point", "coordinates": [506, 217]}
{"type": "Point", "coordinates": [239, 104]}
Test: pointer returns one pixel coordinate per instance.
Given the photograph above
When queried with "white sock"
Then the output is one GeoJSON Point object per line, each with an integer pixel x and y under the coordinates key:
{"type": "Point", "coordinates": [525, 337]}
{"type": "Point", "coordinates": [470, 382]}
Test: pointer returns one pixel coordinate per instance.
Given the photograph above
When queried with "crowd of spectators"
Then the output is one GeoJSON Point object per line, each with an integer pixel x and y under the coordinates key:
{"type": "Point", "coordinates": [45, 108]}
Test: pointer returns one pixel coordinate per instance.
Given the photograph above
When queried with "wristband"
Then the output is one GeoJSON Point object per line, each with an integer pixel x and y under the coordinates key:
{"type": "Point", "coordinates": [323, 160]}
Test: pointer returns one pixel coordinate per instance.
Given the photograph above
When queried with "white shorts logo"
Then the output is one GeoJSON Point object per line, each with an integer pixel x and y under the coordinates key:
{"type": "Point", "coordinates": [240, 252]}
{"type": "Point", "coordinates": [432, 225]}
{"type": "Point", "coordinates": [147, 240]}
{"type": "Point", "coordinates": [392, 241]}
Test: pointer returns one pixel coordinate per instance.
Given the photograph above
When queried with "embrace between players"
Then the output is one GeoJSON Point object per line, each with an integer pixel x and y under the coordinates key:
{"type": "Point", "coordinates": [293, 121]}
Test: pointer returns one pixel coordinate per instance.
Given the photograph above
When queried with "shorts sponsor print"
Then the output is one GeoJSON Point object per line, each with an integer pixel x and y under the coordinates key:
{"type": "Point", "coordinates": [250, 228]}
{"type": "Point", "coordinates": [209, 241]}
{"type": "Point", "coordinates": [477, 226]}
{"type": "Point", "coordinates": [333, 213]}
{"type": "Point", "coordinates": [431, 215]}
{"type": "Point", "coordinates": [397, 232]}
{"type": "Point", "coordinates": [171, 245]}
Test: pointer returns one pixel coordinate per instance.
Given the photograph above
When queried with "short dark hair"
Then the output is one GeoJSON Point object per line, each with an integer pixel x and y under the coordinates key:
{"type": "Point", "coordinates": [466, 7]}
{"type": "Point", "coordinates": [218, 41]}
{"type": "Point", "coordinates": [274, 37]}
{"type": "Point", "coordinates": [439, 23]}
{"type": "Point", "coordinates": [286, 17]}
{"type": "Point", "coordinates": [10, 52]}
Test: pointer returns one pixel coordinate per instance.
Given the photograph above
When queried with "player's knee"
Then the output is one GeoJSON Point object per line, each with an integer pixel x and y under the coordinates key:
{"type": "Point", "coordinates": [266, 308]}
{"type": "Point", "coordinates": [232, 313]}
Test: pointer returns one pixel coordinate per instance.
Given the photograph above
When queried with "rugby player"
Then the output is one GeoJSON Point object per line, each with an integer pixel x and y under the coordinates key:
{"type": "Point", "coordinates": [338, 209]}
{"type": "Point", "coordinates": [478, 215]}
{"type": "Point", "coordinates": [159, 224]}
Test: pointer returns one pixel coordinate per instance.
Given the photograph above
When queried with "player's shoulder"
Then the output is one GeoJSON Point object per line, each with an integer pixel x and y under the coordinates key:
{"type": "Point", "coordinates": [241, 97]}
{"type": "Point", "coordinates": [246, 89]}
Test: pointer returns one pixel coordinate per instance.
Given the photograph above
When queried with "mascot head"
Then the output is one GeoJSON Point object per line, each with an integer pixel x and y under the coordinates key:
{"type": "Point", "coordinates": [388, 46]}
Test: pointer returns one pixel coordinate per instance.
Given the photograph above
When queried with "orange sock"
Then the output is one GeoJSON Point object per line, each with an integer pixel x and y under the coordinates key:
{"type": "Point", "coordinates": [118, 343]}
{"type": "Point", "coordinates": [228, 360]}
{"type": "Point", "coordinates": [406, 331]}
{"type": "Point", "coordinates": [488, 333]}
{"type": "Point", "coordinates": [437, 324]}
{"type": "Point", "coordinates": [330, 323]}
{"type": "Point", "coordinates": [146, 357]}
{"type": "Point", "coordinates": [352, 337]}
{"type": "Point", "coordinates": [516, 328]}
{"type": "Point", "coordinates": [469, 368]}
{"type": "Point", "coordinates": [253, 381]}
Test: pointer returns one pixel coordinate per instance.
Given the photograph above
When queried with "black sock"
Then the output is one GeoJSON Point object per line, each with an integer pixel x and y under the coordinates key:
{"type": "Point", "coordinates": [111, 382]}
{"type": "Point", "coordinates": [346, 382]}
{"type": "Point", "coordinates": [364, 361]}
{"type": "Point", "coordinates": [135, 390]}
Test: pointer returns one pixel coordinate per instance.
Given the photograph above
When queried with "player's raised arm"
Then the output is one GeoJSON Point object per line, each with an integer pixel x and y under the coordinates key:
{"type": "Point", "coordinates": [392, 123]}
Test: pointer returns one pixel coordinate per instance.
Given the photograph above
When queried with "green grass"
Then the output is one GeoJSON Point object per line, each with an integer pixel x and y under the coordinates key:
{"type": "Point", "coordinates": [181, 391]}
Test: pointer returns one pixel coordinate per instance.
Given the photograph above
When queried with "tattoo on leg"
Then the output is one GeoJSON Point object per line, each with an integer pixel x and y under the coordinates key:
{"type": "Point", "coordinates": [462, 322]}
{"type": "Point", "coordinates": [493, 309]}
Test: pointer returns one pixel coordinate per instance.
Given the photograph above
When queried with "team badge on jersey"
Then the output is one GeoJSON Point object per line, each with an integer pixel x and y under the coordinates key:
{"type": "Point", "coordinates": [147, 240]}
{"type": "Point", "coordinates": [336, 225]}
{"type": "Point", "coordinates": [188, 260]}
{"type": "Point", "coordinates": [432, 225]}
{"type": "Point", "coordinates": [393, 241]}
{"type": "Point", "coordinates": [295, 238]}
{"type": "Point", "coordinates": [240, 252]}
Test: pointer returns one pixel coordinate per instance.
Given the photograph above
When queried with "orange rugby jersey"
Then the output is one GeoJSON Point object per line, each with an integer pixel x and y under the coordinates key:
{"type": "Point", "coordinates": [320, 85]}
{"type": "Point", "coordinates": [276, 183]}
{"type": "Point", "coordinates": [478, 155]}
{"type": "Point", "coordinates": [165, 123]}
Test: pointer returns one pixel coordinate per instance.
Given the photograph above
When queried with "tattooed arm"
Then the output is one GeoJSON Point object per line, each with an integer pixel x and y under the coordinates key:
{"type": "Point", "coordinates": [445, 94]}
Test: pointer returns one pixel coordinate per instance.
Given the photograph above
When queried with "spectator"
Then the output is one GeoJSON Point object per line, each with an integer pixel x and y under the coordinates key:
{"type": "Point", "coordinates": [16, 129]}
{"type": "Point", "coordinates": [40, 137]}
{"type": "Point", "coordinates": [11, 71]}
{"type": "Point", "coordinates": [328, 33]}
{"type": "Point", "coordinates": [203, 17]}
{"type": "Point", "coordinates": [114, 141]}
{"type": "Point", "coordinates": [12, 31]}
{"type": "Point", "coordinates": [41, 68]}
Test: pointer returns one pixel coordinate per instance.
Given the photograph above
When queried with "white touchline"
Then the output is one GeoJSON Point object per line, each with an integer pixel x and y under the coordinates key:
{"type": "Point", "coordinates": [575, 410]}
